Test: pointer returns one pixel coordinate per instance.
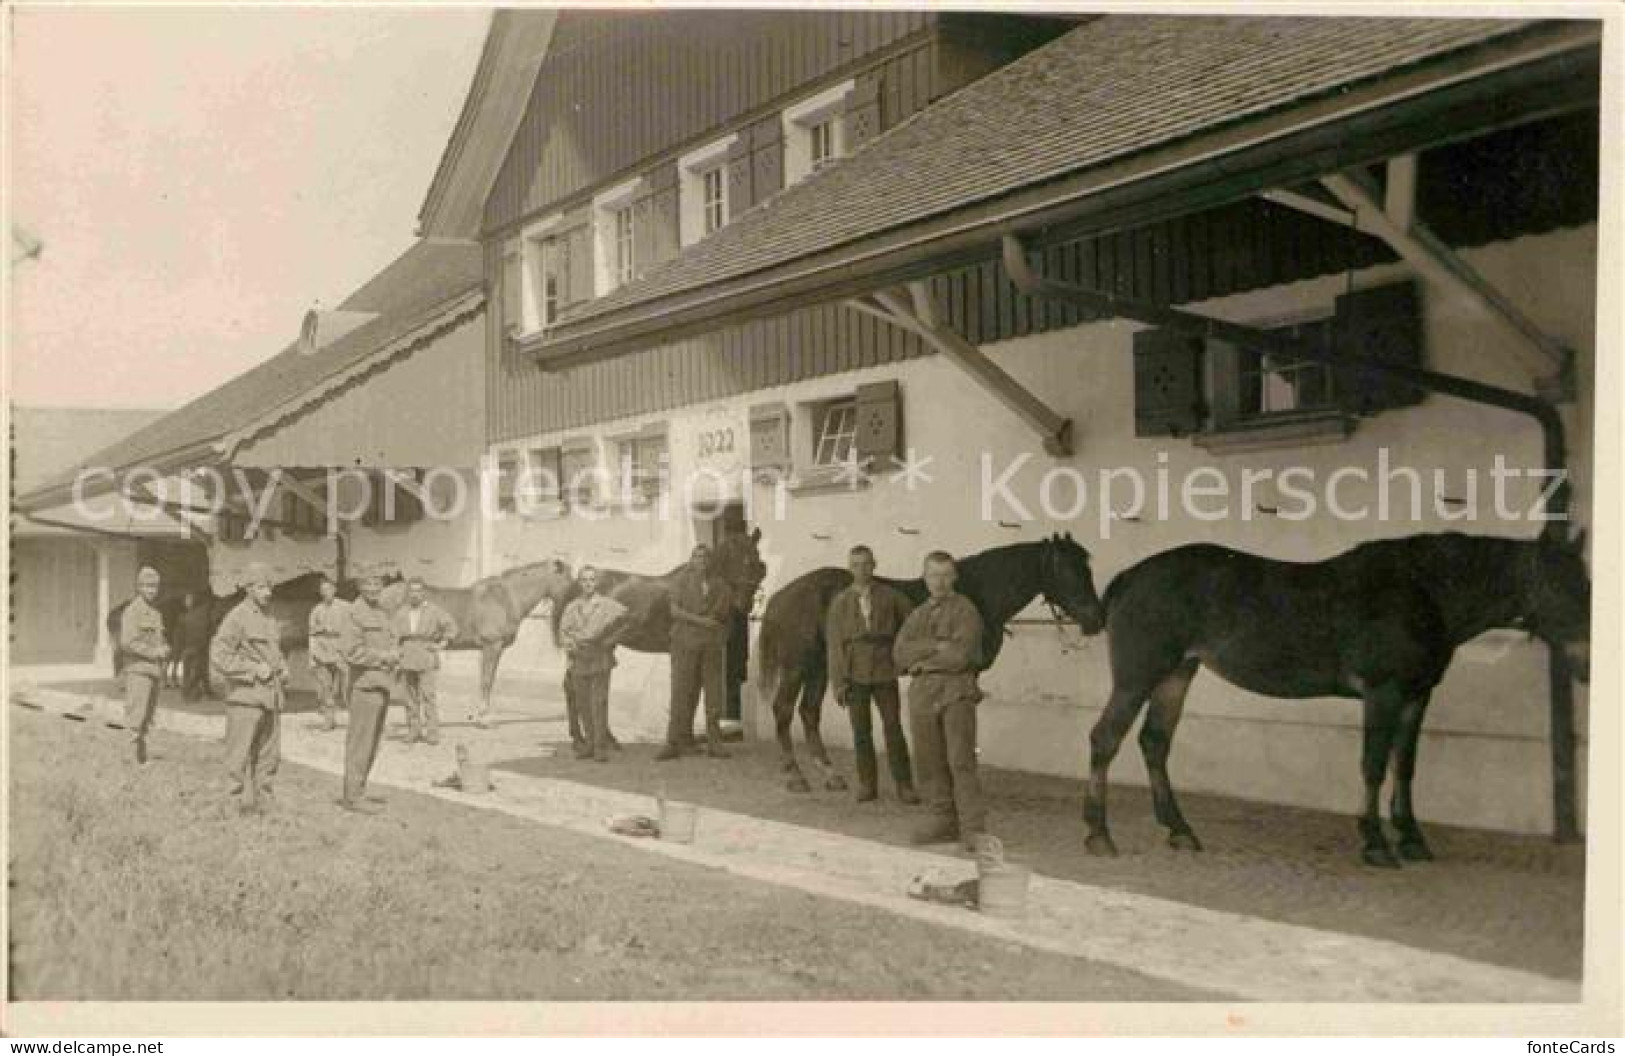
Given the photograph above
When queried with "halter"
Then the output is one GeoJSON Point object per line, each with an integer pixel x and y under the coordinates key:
{"type": "Point", "coordinates": [1048, 571]}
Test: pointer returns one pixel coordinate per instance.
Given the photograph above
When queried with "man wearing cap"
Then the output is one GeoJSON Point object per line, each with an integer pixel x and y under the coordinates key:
{"type": "Point", "coordinates": [940, 646]}
{"type": "Point", "coordinates": [423, 629]}
{"type": "Point", "coordinates": [326, 658]}
{"type": "Point", "coordinates": [699, 611]}
{"type": "Point", "coordinates": [142, 650]}
{"type": "Point", "coordinates": [588, 630]}
{"type": "Point", "coordinates": [247, 652]}
{"type": "Point", "coordinates": [373, 654]}
{"type": "Point", "coordinates": [860, 630]}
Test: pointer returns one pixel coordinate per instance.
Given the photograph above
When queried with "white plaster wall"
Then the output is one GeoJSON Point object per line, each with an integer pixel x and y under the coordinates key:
{"type": "Point", "coordinates": [1484, 756]}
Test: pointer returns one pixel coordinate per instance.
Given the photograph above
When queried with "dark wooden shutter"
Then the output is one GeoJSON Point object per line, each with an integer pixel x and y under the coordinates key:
{"type": "Point", "coordinates": [769, 438]}
{"type": "Point", "coordinates": [1382, 324]}
{"type": "Point", "coordinates": [767, 159]}
{"type": "Point", "coordinates": [663, 233]}
{"type": "Point", "coordinates": [643, 226]}
{"type": "Point", "coordinates": [862, 115]}
{"type": "Point", "coordinates": [879, 422]}
{"type": "Point", "coordinates": [1167, 383]}
{"type": "Point", "coordinates": [512, 280]}
{"type": "Point", "coordinates": [578, 262]}
{"type": "Point", "coordinates": [739, 176]}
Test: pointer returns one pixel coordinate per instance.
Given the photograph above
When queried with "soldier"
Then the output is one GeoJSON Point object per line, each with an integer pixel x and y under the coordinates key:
{"type": "Point", "coordinates": [588, 630]}
{"type": "Point", "coordinates": [423, 629]}
{"type": "Point", "coordinates": [940, 646]}
{"type": "Point", "coordinates": [142, 651]}
{"type": "Point", "coordinates": [194, 627]}
{"type": "Point", "coordinates": [247, 651]}
{"type": "Point", "coordinates": [699, 611]}
{"type": "Point", "coordinates": [372, 653]}
{"type": "Point", "coordinates": [326, 651]}
{"type": "Point", "coordinates": [859, 631]}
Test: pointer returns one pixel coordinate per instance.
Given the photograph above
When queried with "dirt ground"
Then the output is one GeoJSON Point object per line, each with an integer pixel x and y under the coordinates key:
{"type": "Point", "coordinates": [143, 883]}
{"type": "Point", "coordinates": [1502, 899]}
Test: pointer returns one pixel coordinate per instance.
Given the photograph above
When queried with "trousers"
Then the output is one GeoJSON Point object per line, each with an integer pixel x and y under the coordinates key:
{"type": "Point", "coordinates": [140, 703]}
{"type": "Point", "coordinates": [361, 739]}
{"type": "Point", "coordinates": [885, 699]}
{"type": "Point", "coordinates": [944, 734]}
{"type": "Point", "coordinates": [422, 706]}
{"type": "Point", "coordinates": [589, 694]}
{"type": "Point", "coordinates": [253, 748]}
{"type": "Point", "coordinates": [329, 687]}
{"type": "Point", "coordinates": [693, 669]}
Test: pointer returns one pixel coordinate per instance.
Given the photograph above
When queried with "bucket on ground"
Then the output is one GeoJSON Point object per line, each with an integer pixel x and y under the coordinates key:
{"type": "Point", "coordinates": [1001, 887]}
{"type": "Point", "coordinates": [678, 821]}
{"type": "Point", "coordinates": [474, 777]}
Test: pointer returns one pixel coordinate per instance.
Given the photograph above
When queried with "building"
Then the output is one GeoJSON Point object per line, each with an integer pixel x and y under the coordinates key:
{"type": "Point", "coordinates": [766, 246]}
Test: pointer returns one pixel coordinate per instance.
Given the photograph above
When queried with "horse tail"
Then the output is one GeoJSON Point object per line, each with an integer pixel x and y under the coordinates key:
{"type": "Point", "coordinates": [767, 657]}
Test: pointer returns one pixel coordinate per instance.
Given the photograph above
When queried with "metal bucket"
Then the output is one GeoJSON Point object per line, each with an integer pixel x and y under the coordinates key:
{"type": "Point", "coordinates": [1001, 888]}
{"type": "Point", "coordinates": [678, 821]}
{"type": "Point", "coordinates": [475, 777]}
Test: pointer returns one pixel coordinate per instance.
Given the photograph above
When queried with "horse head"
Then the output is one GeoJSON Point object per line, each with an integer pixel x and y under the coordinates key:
{"type": "Point", "coordinates": [1068, 585]}
{"type": "Point", "coordinates": [1557, 599]}
{"type": "Point", "coordinates": [738, 561]}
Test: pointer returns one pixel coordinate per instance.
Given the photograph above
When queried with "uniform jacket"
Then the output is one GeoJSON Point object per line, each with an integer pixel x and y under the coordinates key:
{"type": "Point", "coordinates": [247, 639]}
{"type": "Point", "coordinates": [327, 622]}
{"type": "Point", "coordinates": [943, 638]}
{"type": "Point", "coordinates": [420, 649]}
{"type": "Point", "coordinates": [583, 628]}
{"type": "Point", "coordinates": [370, 647]}
{"type": "Point", "coordinates": [703, 596]}
{"type": "Point", "coordinates": [141, 638]}
{"type": "Point", "coordinates": [860, 652]}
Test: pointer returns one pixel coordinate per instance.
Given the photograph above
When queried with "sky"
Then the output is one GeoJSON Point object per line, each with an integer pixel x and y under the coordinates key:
{"type": "Point", "coordinates": [201, 177]}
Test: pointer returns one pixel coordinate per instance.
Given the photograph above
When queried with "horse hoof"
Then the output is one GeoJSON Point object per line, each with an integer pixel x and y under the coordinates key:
{"type": "Point", "coordinates": [1100, 845]}
{"type": "Point", "coordinates": [1380, 857]}
{"type": "Point", "coordinates": [1184, 840]}
{"type": "Point", "coordinates": [835, 784]}
{"type": "Point", "coordinates": [1415, 851]}
{"type": "Point", "coordinates": [799, 784]}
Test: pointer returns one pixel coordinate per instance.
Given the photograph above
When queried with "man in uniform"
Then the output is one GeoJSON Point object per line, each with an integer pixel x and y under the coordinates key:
{"type": "Point", "coordinates": [372, 653]}
{"type": "Point", "coordinates": [940, 646]}
{"type": "Point", "coordinates": [860, 631]}
{"type": "Point", "coordinates": [588, 630]}
{"type": "Point", "coordinates": [247, 651]}
{"type": "Point", "coordinates": [195, 624]}
{"type": "Point", "coordinates": [326, 651]}
{"type": "Point", "coordinates": [142, 650]}
{"type": "Point", "coordinates": [699, 613]}
{"type": "Point", "coordinates": [423, 629]}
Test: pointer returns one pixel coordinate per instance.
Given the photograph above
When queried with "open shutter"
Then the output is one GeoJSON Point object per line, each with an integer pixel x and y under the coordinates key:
{"type": "Point", "coordinates": [739, 177]}
{"type": "Point", "coordinates": [770, 438]}
{"type": "Point", "coordinates": [862, 117]}
{"type": "Point", "coordinates": [1383, 324]}
{"type": "Point", "coordinates": [1167, 383]}
{"type": "Point", "coordinates": [663, 233]}
{"type": "Point", "coordinates": [578, 262]}
{"type": "Point", "coordinates": [879, 423]}
{"type": "Point", "coordinates": [512, 281]}
{"type": "Point", "coordinates": [767, 158]}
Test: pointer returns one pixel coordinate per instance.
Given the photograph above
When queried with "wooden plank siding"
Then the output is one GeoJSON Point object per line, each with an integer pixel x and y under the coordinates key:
{"type": "Point", "coordinates": [1239, 247]}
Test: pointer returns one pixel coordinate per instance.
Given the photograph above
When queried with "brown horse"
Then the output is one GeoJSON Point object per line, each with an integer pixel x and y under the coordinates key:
{"type": "Point", "coordinates": [1000, 582]}
{"type": "Point", "coordinates": [1378, 623]}
{"type": "Point", "coordinates": [737, 562]}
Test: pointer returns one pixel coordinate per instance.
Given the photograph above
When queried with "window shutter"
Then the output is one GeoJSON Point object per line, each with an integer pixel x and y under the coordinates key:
{"type": "Point", "coordinates": [739, 177]}
{"type": "Point", "coordinates": [1167, 383]}
{"type": "Point", "coordinates": [770, 438]}
{"type": "Point", "coordinates": [512, 282]}
{"type": "Point", "coordinates": [663, 234]}
{"type": "Point", "coordinates": [578, 463]}
{"type": "Point", "coordinates": [1384, 324]}
{"type": "Point", "coordinates": [578, 261]}
{"type": "Point", "coordinates": [879, 423]}
{"type": "Point", "coordinates": [767, 158]}
{"type": "Point", "coordinates": [862, 115]}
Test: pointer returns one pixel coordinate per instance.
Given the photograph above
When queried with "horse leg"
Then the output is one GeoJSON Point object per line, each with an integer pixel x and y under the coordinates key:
{"type": "Point", "coordinates": [490, 656]}
{"type": "Point", "coordinates": [812, 713]}
{"type": "Point", "coordinates": [1412, 847]}
{"type": "Point", "coordinates": [1156, 741]}
{"type": "Point", "coordinates": [784, 710]}
{"type": "Point", "coordinates": [1104, 740]}
{"type": "Point", "coordinates": [1382, 709]}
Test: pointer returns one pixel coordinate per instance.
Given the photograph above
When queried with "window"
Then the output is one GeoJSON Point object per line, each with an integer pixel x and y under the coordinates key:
{"type": "Point", "coordinates": [1269, 384]}
{"type": "Point", "coordinates": [541, 482]}
{"type": "Point", "coordinates": [393, 498]}
{"type": "Point", "coordinates": [615, 236]}
{"type": "Point", "coordinates": [835, 432]}
{"type": "Point", "coordinates": [578, 472]}
{"type": "Point", "coordinates": [714, 198]}
{"type": "Point", "coordinates": [302, 519]}
{"type": "Point", "coordinates": [545, 268]}
{"type": "Point", "coordinates": [507, 480]}
{"type": "Point", "coordinates": [625, 265]}
{"type": "Point", "coordinates": [640, 465]}
{"type": "Point", "coordinates": [821, 143]}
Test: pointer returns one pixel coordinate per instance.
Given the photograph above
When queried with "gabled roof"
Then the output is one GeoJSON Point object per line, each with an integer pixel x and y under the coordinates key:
{"type": "Point", "coordinates": [514, 47]}
{"type": "Point", "coordinates": [1114, 89]}
{"type": "Point", "coordinates": [412, 292]}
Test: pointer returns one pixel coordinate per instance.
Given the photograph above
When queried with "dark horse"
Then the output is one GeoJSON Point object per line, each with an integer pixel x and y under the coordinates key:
{"type": "Point", "coordinates": [1000, 582]}
{"type": "Point", "coordinates": [736, 560]}
{"type": "Point", "coordinates": [1379, 623]}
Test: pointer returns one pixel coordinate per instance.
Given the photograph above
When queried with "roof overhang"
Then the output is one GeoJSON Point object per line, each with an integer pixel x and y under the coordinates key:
{"type": "Point", "coordinates": [1503, 84]}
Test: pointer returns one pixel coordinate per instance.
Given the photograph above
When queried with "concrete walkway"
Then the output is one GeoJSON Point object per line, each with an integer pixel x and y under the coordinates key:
{"type": "Point", "coordinates": [1247, 957]}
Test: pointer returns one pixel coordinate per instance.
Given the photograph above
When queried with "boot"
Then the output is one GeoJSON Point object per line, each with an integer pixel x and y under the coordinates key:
{"type": "Point", "coordinates": [141, 750]}
{"type": "Point", "coordinates": [944, 828]}
{"type": "Point", "coordinates": [906, 794]}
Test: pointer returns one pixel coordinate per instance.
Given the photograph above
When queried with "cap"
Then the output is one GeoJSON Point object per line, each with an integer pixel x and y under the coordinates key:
{"type": "Point", "coordinates": [148, 574]}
